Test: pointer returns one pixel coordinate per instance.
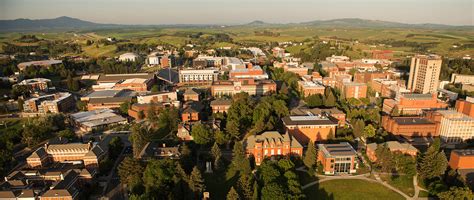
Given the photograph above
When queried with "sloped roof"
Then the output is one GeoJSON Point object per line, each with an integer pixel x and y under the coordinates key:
{"type": "Point", "coordinates": [271, 136]}
{"type": "Point", "coordinates": [39, 153]}
{"type": "Point", "coordinates": [221, 102]}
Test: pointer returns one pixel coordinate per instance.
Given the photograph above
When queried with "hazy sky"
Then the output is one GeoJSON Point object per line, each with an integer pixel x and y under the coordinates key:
{"type": "Point", "coordinates": [455, 12]}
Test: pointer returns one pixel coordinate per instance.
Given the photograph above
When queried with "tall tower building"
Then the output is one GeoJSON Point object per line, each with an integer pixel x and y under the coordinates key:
{"type": "Point", "coordinates": [424, 73]}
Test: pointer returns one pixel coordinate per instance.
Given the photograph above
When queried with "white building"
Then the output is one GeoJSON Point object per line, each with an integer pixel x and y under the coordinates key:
{"type": "Point", "coordinates": [198, 76]}
{"type": "Point", "coordinates": [335, 58]}
{"type": "Point", "coordinates": [128, 57]}
{"type": "Point", "coordinates": [153, 60]}
{"type": "Point", "coordinates": [455, 127]}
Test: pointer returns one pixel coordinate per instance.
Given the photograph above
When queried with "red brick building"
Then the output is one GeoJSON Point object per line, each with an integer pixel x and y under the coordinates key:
{"type": "Point", "coordinates": [393, 146]}
{"type": "Point", "coordinates": [413, 104]}
{"type": "Point", "coordinates": [366, 77]}
{"type": "Point", "coordinates": [354, 90]}
{"type": "Point", "coordinates": [220, 105]}
{"type": "Point", "coordinates": [466, 106]}
{"type": "Point", "coordinates": [462, 159]}
{"type": "Point", "coordinates": [250, 86]}
{"type": "Point", "coordinates": [310, 128]}
{"type": "Point", "coordinates": [337, 158]}
{"type": "Point", "coordinates": [271, 143]}
{"type": "Point", "coordinates": [410, 126]}
{"type": "Point", "coordinates": [382, 54]}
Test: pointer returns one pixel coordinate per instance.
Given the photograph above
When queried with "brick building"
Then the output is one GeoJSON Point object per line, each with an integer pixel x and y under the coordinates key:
{"type": "Point", "coordinates": [412, 103]}
{"type": "Point", "coordinates": [462, 159]}
{"type": "Point", "coordinates": [466, 106]}
{"type": "Point", "coordinates": [90, 154]}
{"type": "Point", "coordinates": [36, 84]}
{"type": "Point", "coordinates": [310, 128]}
{"type": "Point", "coordinates": [52, 103]}
{"type": "Point", "coordinates": [354, 90]}
{"type": "Point", "coordinates": [308, 87]}
{"type": "Point", "coordinates": [334, 113]}
{"type": "Point", "coordinates": [192, 111]}
{"type": "Point", "coordinates": [382, 54]}
{"type": "Point", "coordinates": [250, 72]}
{"type": "Point", "coordinates": [337, 158]}
{"type": "Point", "coordinates": [410, 126]}
{"type": "Point", "coordinates": [220, 105]}
{"type": "Point", "coordinates": [250, 86]}
{"type": "Point", "coordinates": [191, 95]}
{"type": "Point", "coordinates": [366, 77]}
{"type": "Point", "coordinates": [393, 146]}
{"type": "Point", "coordinates": [271, 143]}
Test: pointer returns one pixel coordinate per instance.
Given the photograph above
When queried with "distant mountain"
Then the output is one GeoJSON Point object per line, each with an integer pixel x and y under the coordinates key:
{"type": "Point", "coordinates": [68, 23]}
{"type": "Point", "coordinates": [60, 23]}
{"type": "Point", "coordinates": [366, 23]}
{"type": "Point", "coordinates": [257, 23]}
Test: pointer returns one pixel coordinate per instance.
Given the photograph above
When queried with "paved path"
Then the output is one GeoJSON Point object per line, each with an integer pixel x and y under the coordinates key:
{"type": "Point", "coordinates": [418, 188]}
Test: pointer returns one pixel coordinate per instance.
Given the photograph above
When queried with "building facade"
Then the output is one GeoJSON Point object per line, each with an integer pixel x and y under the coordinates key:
{"type": "Point", "coordinates": [271, 143]}
{"type": "Point", "coordinates": [198, 76]}
{"type": "Point", "coordinates": [424, 74]}
{"type": "Point", "coordinates": [337, 158]}
{"type": "Point", "coordinates": [250, 86]}
{"type": "Point", "coordinates": [455, 127]}
{"type": "Point", "coordinates": [393, 146]}
{"type": "Point", "coordinates": [53, 103]}
{"type": "Point", "coordinates": [412, 103]}
{"type": "Point", "coordinates": [310, 128]}
{"type": "Point", "coordinates": [466, 106]}
{"type": "Point", "coordinates": [354, 90]}
{"type": "Point", "coordinates": [462, 159]}
{"type": "Point", "coordinates": [410, 126]}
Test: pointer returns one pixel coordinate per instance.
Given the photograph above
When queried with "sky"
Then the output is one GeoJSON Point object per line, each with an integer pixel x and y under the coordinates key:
{"type": "Point", "coordinates": [452, 12]}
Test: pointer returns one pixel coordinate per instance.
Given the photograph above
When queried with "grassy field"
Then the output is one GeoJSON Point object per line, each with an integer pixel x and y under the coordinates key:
{"type": "Point", "coordinates": [350, 189]}
{"type": "Point", "coordinates": [444, 39]}
{"type": "Point", "coordinates": [403, 183]}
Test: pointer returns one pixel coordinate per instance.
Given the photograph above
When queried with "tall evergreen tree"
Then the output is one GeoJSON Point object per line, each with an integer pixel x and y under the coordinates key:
{"type": "Point", "coordinates": [196, 182]}
{"type": "Point", "coordinates": [216, 154]}
{"type": "Point", "coordinates": [310, 156]}
{"type": "Point", "coordinates": [232, 195]}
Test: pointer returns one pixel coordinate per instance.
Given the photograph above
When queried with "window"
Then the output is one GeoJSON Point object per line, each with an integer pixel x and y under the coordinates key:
{"type": "Point", "coordinates": [273, 152]}
{"type": "Point", "coordinates": [279, 152]}
{"type": "Point", "coordinates": [266, 152]}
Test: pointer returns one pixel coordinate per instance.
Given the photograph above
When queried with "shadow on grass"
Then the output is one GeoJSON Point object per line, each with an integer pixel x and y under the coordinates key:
{"type": "Point", "coordinates": [218, 185]}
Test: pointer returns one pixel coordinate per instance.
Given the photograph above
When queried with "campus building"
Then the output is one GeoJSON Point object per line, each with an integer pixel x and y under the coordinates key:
{"type": "Point", "coordinates": [334, 113]}
{"type": "Point", "coordinates": [424, 74]}
{"type": "Point", "coordinates": [220, 105]}
{"type": "Point", "coordinates": [393, 146]}
{"type": "Point", "coordinates": [88, 121]}
{"type": "Point", "coordinates": [410, 126]}
{"type": "Point", "coordinates": [137, 82]}
{"type": "Point", "coordinates": [466, 106]}
{"type": "Point", "coordinates": [455, 127]}
{"type": "Point", "coordinates": [337, 158]}
{"type": "Point", "coordinates": [310, 128]}
{"type": "Point", "coordinates": [250, 72]}
{"type": "Point", "coordinates": [198, 76]}
{"type": "Point", "coordinates": [36, 84]}
{"type": "Point", "coordinates": [413, 104]}
{"type": "Point", "coordinates": [52, 103]}
{"type": "Point", "coordinates": [90, 154]}
{"type": "Point", "coordinates": [271, 143]}
{"type": "Point", "coordinates": [309, 87]}
{"type": "Point", "coordinates": [354, 90]}
{"type": "Point", "coordinates": [461, 159]}
{"type": "Point", "coordinates": [250, 86]}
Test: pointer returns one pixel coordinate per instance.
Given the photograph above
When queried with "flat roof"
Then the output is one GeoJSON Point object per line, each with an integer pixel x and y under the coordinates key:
{"type": "Point", "coordinates": [464, 152]}
{"type": "Point", "coordinates": [412, 120]}
{"type": "Point", "coordinates": [308, 120]}
{"type": "Point", "coordinates": [335, 150]}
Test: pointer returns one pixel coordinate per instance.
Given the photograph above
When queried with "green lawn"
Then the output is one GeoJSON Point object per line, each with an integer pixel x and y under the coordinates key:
{"type": "Point", "coordinates": [423, 194]}
{"type": "Point", "coordinates": [217, 184]}
{"type": "Point", "coordinates": [403, 183]}
{"type": "Point", "coordinates": [350, 189]}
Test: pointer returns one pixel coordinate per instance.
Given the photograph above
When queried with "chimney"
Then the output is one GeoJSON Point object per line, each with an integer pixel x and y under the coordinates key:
{"type": "Point", "coordinates": [164, 145]}
{"type": "Point", "coordinates": [62, 176]}
{"type": "Point", "coordinates": [46, 145]}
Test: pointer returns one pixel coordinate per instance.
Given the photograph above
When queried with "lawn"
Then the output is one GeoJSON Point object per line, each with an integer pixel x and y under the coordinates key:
{"type": "Point", "coordinates": [403, 183]}
{"type": "Point", "coordinates": [350, 189]}
{"type": "Point", "coordinates": [217, 184]}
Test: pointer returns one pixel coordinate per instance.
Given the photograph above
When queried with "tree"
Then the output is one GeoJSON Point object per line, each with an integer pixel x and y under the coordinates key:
{"type": "Point", "coordinates": [433, 163]}
{"type": "Point", "coordinates": [273, 191]}
{"type": "Point", "coordinates": [115, 147]}
{"type": "Point", "coordinates": [20, 104]}
{"type": "Point", "coordinates": [201, 134]}
{"type": "Point", "coordinates": [331, 135]}
{"type": "Point", "coordinates": [457, 193]}
{"type": "Point", "coordinates": [384, 158]}
{"type": "Point", "coordinates": [124, 107]}
{"type": "Point", "coordinates": [294, 186]}
{"type": "Point", "coordinates": [329, 98]}
{"type": "Point", "coordinates": [314, 100]}
{"type": "Point", "coordinates": [139, 137]}
{"type": "Point", "coordinates": [216, 154]}
{"type": "Point", "coordinates": [130, 172]}
{"type": "Point", "coordinates": [155, 88]}
{"type": "Point", "coordinates": [245, 186]}
{"type": "Point", "coordinates": [310, 156]}
{"type": "Point", "coordinates": [81, 105]}
{"type": "Point", "coordinates": [358, 127]}
{"type": "Point", "coordinates": [369, 131]}
{"type": "Point", "coordinates": [232, 195]}
{"type": "Point", "coordinates": [196, 183]}
{"type": "Point", "coordinates": [395, 112]}
{"type": "Point", "coordinates": [158, 178]}
{"type": "Point", "coordinates": [239, 163]}
{"type": "Point", "coordinates": [68, 134]}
